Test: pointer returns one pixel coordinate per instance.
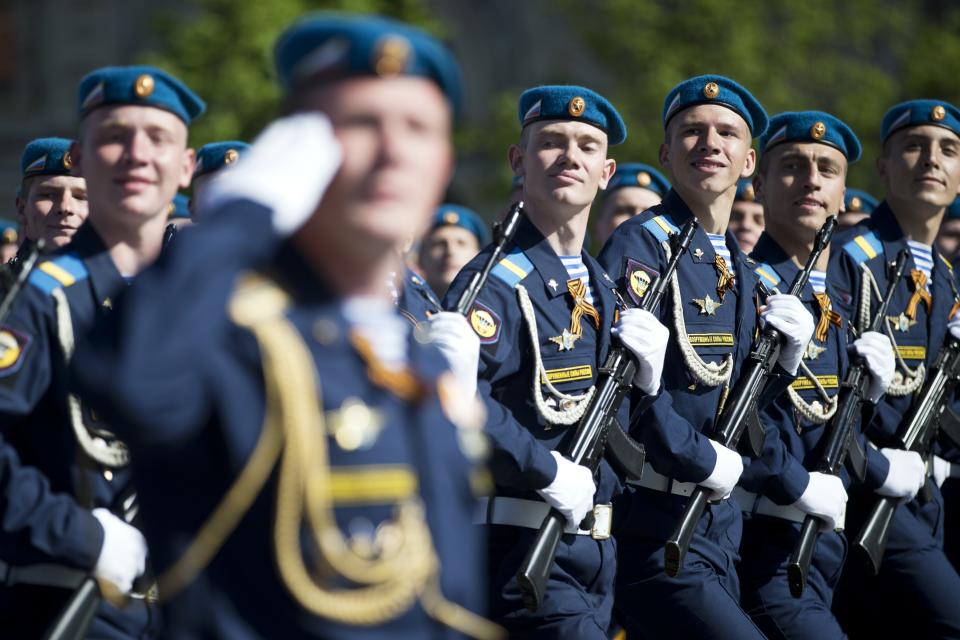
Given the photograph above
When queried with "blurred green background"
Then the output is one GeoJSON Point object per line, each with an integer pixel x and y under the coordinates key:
{"type": "Point", "coordinates": [853, 58]}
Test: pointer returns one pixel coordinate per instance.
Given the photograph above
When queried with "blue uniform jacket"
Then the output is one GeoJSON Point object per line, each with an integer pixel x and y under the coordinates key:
{"type": "Point", "coordinates": [522, 439]}
{"type": "Point", "coordinates": [875, 243]}
{"type": "Point", "coordinates": [794, 444]}
{"type": "Point", "coordinates": [47, 507]}
{"type": "Point", "coordinates": [416, 300]}
{"type": "Point", "coordinates": [676, 426]}
{"type": "Point", "coordinates": [185, 386]}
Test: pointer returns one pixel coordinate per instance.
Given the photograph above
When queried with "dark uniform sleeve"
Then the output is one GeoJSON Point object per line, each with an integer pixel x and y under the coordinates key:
{"type": "Point", "coordinates": [145, 369]}
{"type": "Point", "coordinates": [676, 449]}
{"type": "Point", "coordinates": [49, 522]}
{"type": "Point", "coordinates": [519, 460]}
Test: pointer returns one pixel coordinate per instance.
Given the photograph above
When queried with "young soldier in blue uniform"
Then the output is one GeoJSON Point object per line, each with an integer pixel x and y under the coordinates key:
{"type": "Point", "coordinates": [800, 180]}
{"type": "Point", "coordinates": [634, 188]}
{"type": "Point", "coordinates": [211, 159]}
{"type": "Point", "coordinates": [72, 514]}
{"type": "Point", "coordinates": [746, 217]}
{"type": "Point", "coordinates": [52, 199]}
{"type": "Point", "coordinates": [920, 166]}
{"type": "Point", "coordinates": [544, 323]}
{"type": "Point", "coordinates": [709, 122]}
{"type": "Point", "coordinates": [300, 451]}
{"type": "Point", "coordinates": [455, 236]}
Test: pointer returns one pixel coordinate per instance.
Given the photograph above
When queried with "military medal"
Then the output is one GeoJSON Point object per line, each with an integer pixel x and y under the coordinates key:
{"type": "Point", "coordinates": [565, 341]}
{"type": "Point", "coordinates": [812, 352]}
{"type": "Point", "coordinates": [708, 306]}
{"type": "Point", "coordinates": [901, 322]}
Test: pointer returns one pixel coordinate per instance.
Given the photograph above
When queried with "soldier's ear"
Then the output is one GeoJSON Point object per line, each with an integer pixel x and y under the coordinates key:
{"type": "Point", "coordinates": [758, 185]}
{"type": "Point", "coordinates": [515, 157]}
{"type": "Point", "coordinates": [749, 163]}
{"type": "Point", "coordinates": [882, 170]}
{"type": "Point", "coordinates": [609, 168]}
{"type": "Point", "coordinates": [664, 155]}
{"type": "Point", "coordinates": [186, 169]}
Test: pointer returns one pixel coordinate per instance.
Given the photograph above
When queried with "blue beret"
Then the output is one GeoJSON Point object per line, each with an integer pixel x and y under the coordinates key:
{"type": "Point", "coordinates": [179, 208]}
{"type": "Point", "coordinates": [456, 215]}
{"type": "Point", "coordinates": [919, 112]}
{"type": "Point", "coordinates": [811, 126]}
{"type": "Point", "coordinates": [216, 155]}
{"type": "Point", "coordinates": [8, 232]}
{"type": "Point", "coordinates": [330, 46]}
{"type": "Point", "coordinates": [568, 102]}
{"type": "Point", "coordinates": [745, 191]}
{"type": "Point", "coordinates": [637, 174]}
{"type": "Point", "coordinates": [857, 200]}
{"type": "Point", "coordinates": [143, 86]}
{"type": "Point", "coordinates": [46, 157]}
{"type": "Point", "coordinates": [713, 89]}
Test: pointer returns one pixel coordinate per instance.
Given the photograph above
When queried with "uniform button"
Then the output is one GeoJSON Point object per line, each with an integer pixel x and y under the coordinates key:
{"type": "Point", "coordinates": [108, 474]}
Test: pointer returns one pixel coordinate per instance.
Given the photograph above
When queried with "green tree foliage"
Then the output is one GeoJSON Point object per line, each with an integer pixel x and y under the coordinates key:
{"type": "Point", "coordinates": [854, 58]}
{"type": "Point", "coordinates": [224, 49]}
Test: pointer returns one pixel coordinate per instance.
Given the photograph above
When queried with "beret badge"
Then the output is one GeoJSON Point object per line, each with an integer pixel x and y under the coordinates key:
{"type": "Point", "coordinates": [143, 86]}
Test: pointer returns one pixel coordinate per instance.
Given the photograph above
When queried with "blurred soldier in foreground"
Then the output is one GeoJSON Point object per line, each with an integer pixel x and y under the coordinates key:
{"type": "Point", "coordinates": [67, 511]}
{"type": "Point", "coordinates": [746, 217]}
{"type": "Point", "coordinates": [306, 463]}
{"type": "Point", "coordinates": [454, 238]}
{"type": "Point", "coordinates": [634, 188]}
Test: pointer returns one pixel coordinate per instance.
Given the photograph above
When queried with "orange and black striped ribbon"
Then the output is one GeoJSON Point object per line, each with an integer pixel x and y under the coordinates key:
{"type": "Point", "coordinates": [580, 306]}
{"type": "Point", "coordinates": [402, 383]}
{"type": "Point", "coordinates": [725, 280]}
{"type": "Point", "coordinates": [827, 316]}
{"type": "Point", "coordinates": [920, 292]}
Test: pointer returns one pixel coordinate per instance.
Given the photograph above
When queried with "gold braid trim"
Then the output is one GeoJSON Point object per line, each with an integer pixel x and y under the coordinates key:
{"type": "Point", "coordinates": [407, 568]}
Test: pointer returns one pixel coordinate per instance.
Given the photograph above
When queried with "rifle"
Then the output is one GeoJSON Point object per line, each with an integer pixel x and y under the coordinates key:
{"type": "Point", "coordinates": [599, 422]}
{"type": "Point", "coordinates": [740, 413]}
{"type": "Point", "coordinates": [929, 416]}
{"type": "Point", "coordinates": [19, 277]}
{"type": "Point", "coordinates": [840, 440]}
{"type": "Point", "coordinates": [76, 616]}
{"type": "Point", "coordinates": [502, 234]}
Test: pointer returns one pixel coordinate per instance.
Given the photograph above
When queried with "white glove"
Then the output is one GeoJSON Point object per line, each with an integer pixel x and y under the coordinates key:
{"type": "Point", "coordinates": [907, 474]}
{"type": "Point", "coordinates": [876, 351]}
{"type": "Point", "coordinates": [953, 326]}
{"type": "Point", "coordinates": [571, 492]}
{"type": "Point", "coordinates": [825, 498]}
{"type": "Point", "coordinates": [287, 169]}
{"type": "Point", "coordinates": [726, 472]}
{"type": "Point", "coordinates": [646, 338]}
{"type": "Point", "coordinates": [943, 469]}
{"type": "Point", "coordinates": [451, 333]}
{"type": "Point", "coordinates": [123, 556]}
{"type": "Point", "coordinates": [788, 315]}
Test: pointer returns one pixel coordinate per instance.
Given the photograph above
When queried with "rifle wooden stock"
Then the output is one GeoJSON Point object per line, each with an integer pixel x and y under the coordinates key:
{"type": "Point", "coordinates": [741, 408]}
{"type": "Point", "coordinates": [614, 381]}
{"type": "Point", "coordinates": [839, 438]}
